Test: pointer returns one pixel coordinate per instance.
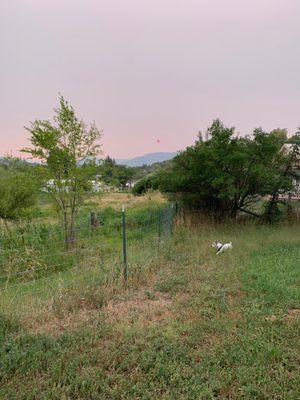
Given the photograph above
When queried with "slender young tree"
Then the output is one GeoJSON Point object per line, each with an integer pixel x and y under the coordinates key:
{"type": "Point", "coordinates": [61, 145]}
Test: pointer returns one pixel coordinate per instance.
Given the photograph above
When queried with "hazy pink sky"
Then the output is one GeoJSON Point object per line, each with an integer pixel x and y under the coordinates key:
{"type": "Point", "coordinates": [149, 69]}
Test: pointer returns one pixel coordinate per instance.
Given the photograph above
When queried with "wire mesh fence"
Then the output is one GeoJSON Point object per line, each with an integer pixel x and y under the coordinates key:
{"type": "Point", "coordinates": [36, 259]}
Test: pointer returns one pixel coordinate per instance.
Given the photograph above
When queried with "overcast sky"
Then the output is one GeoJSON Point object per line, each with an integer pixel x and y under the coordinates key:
{"type": "Point", "coordinates": [149, 69]}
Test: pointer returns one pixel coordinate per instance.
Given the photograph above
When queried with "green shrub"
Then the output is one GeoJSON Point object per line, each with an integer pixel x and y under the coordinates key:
{"type": "Point", "coordinates": [143, 185]}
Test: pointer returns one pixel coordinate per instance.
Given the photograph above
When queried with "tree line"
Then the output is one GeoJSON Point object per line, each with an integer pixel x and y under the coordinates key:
{"type": "Point", "coordinates": [222, 176]}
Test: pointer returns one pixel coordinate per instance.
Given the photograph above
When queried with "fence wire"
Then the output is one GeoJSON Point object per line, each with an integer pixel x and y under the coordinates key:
{"type": "Point", "coordinates": [39, 261]}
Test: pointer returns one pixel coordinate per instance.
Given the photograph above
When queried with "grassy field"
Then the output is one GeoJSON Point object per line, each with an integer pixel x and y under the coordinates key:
{"type": "Point", "coordinates": [188, 325]}
{"type": "Point", "coordinates": [37, 249]}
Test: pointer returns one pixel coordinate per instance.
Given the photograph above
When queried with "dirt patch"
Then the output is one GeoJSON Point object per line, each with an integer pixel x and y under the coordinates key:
{"type": "Point", "coordinates": [271, 318]}
{"type": "Point", "coordinates": [234, 297]}
{"type": "Point", "coordinates": [183, 297]}
{"type": "Point", "coordinates": [230, 300]}
{"type": "Point", "coordinates": [228, 392]}
{"type": "Point", "coordinates": [233, 300]}
{"type": "Point", "coordinates": [52, 325]}
{"type": "Point", "coordinates": [140, 308]}
{"type": "Point", "coordinates": [293, 314]}
{"type": "Point", "coordinates": [213, 340]}
{"type": "Point", "coordinates": [234, 314]}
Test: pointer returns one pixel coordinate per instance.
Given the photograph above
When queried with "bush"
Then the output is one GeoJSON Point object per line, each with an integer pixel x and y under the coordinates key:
{"type": "Point", "coordinates": [18, 195]}
{"type": "Point", "coordinates": [143, 185]}
{"type": "Point", "coordinates": [226, 175]}
{"type": "Point", "coordinates": [272, 212]}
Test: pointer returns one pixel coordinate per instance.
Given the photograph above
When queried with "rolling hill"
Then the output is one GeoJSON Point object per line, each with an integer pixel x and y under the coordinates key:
{"type": "Point", "coordinates": [147, 159]}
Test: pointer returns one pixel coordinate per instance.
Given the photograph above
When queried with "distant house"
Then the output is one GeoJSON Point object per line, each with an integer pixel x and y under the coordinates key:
{"type": "Point", "coordinates": [95, 186]}
{"type": "Point", "coordinates": [130, 184]}
{"type": "Point", "coordinates": [56, 185]}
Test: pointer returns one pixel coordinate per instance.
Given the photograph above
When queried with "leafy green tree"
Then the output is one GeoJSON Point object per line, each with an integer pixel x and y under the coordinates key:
{"type": "Point", "coordinates": [287, 171]}
{"type": "Point", "coordinates": [113, 174]}
{"type": "Point", "coordinates": [123, 175]}
{"type": "Point", "coordinates": [141, 171]}
{"type": "Point", "coordinates": [149, 181]}
{"type": "Point", "coordinates": [61, 146]}
{"type": "Point", "coordinates": [225, 174]}
{"type": "Point", "coordinates": [106, 170]}
{"type": "Point", "coordinates": [280, 136]}
{"type": "Point", "coordinates": [295, 139]}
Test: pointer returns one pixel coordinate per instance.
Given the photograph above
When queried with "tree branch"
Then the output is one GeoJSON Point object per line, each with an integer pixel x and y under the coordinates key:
{"type": "Point", "coordinates": [250, 213]}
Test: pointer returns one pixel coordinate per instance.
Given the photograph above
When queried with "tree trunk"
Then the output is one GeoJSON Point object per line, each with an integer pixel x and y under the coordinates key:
{"type": "Point", "coordinates": [94, 221]}
{"type": "Point", "coordinates": [69, 230]}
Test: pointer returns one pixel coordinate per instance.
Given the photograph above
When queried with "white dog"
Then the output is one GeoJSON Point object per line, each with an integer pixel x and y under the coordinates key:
{"type": "Point", "coordinates": [222, 247]}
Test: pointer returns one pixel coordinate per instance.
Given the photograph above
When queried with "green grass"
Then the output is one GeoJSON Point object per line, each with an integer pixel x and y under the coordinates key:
{"type": "Point", "coordinates": [37, 250]}
{"type": "Point", "coordinates": [189, 325]}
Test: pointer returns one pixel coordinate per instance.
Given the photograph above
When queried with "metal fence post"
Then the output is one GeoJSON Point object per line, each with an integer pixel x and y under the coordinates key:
{"type": "Point", "coordinates": [124, 243]}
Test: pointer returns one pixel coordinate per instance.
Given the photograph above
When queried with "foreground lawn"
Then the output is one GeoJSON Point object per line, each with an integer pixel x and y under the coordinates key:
{"type": "Point", "coordinates": [192, 325]}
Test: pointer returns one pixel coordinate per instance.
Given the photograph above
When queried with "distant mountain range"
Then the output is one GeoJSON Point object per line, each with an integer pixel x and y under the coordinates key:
{"type": "Point", "coordinates": [146, 159]}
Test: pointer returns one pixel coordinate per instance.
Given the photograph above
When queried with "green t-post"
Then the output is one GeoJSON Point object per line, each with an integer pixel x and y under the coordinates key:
{"type": "Point", "coordinates": [124, 243]}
